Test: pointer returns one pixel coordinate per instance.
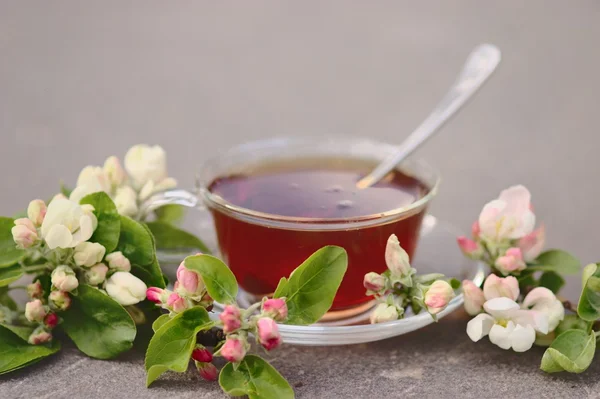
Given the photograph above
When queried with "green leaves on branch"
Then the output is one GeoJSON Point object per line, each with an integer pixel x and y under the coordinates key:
{"type": "Point", "coordinates": [571, 351]}
{"type": "Point", "coordinates": [256, 378]}
{"type": "Point", "coordinates": [17, 353]}
{"type": "Point", "coordinates": [10, 274]}
{"type": "Point", "coordinates": [589, 301]}
{"type": "Point", "coordinates": [9, 253]}
{"type": "Point", "coordinates": [137, 244]}
{"type": "Point", "coordinates": [220, 281]}
{"type": "Point", "coordinates": [109, 221]}
{"type": "Point", "coordinates": [556, 260]}
{"type": "Point", "coordinates": [98, 325]}
{"type": "Point", "coordinates": [551, 264]}
{"type": "Point", "coordinates": [310, 289]}
{"type": "Point", "coordinates": [170, 237]}
{"type": "Point", "coordinates": [171, 346]}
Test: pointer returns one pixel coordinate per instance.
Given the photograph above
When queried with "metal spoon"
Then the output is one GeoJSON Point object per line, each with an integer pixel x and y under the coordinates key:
{"type": "Point", "coordinates": [482, 61]}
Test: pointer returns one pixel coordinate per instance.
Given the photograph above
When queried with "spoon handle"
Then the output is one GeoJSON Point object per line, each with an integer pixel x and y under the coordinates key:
{"type": "Point", "coordinates": [477, 69]}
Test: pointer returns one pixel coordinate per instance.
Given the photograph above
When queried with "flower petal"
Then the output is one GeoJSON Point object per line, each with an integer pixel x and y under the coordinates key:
{"type": "Point", "coordinates": [501, 308]}
{"type": "Point", "coordinates": [538, 295]}
{"type": "Point", "coordinates": [479, 326]}
{"type": "Point", "coordinates": [535, 319]}
{"type": "Point", "coordinates": [85, 231]}
{"type": "Point", "coordinates": [522, 338]}
{"type": "Point", "coordinates": [487, 218]}
{"type": "Point", "coordinates": [396, 257]}
{"type": "Point", "coordinates": [59, 237]}
{"type": "Point", "coordinates": [501, 336]}
{"type": "Point", "coordinates": [517, 198]}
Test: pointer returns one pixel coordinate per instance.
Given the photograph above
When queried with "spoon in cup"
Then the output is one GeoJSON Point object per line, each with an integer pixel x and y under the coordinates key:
{"type": "Point", "coordinates": [479, 66]}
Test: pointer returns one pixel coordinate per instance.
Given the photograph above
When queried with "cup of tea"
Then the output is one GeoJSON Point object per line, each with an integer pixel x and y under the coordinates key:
{"type": "Point", "coordinates": [275, 202]}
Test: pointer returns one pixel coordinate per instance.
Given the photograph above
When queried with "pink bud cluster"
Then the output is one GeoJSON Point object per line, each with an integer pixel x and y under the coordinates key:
{"type": "Point", "coordinates": [40, 313]}
{"type": "Point", "coordinates": [189, 291]}
{"type": "Point", "coordinates": [504, 235]}
{"type": "Point", "coordinates": [25, 231]}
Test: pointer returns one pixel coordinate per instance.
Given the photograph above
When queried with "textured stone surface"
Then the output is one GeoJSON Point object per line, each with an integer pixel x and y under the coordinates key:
{"type": "Point", "coordinates": [79, 81]}
{"type": "Point", "coordinates": [438, 361]}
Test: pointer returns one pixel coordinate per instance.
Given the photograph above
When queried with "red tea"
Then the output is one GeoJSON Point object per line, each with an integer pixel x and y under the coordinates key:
{"type": "Point", "coordinates": [259, 254]}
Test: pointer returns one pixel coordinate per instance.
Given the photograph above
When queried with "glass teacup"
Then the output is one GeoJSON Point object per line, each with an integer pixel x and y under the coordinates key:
{"type": "Point", "coordinates": [262, 247]}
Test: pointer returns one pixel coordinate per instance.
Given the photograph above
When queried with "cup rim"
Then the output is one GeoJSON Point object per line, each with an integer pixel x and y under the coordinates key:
{"type": "Point", "coordinates": [310, 223]}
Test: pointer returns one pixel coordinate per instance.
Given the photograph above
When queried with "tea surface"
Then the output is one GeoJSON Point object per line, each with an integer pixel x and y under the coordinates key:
{"type": "Point", "coordinates": [322, 191]}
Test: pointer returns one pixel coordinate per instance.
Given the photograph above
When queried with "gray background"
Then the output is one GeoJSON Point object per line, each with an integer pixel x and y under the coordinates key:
{"type": "Point", "coordinates": [82, 80]}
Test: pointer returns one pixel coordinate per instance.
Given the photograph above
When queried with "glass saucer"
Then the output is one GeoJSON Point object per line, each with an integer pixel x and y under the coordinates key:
{"type": "Point", "coordinates": [437, 252]}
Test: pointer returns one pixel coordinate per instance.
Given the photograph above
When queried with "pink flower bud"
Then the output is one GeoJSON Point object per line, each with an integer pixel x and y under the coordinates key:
{"type": "Point", "coordinates": [234, 349]}
{"type": "Point", "coordinates": [374, 282]}
{"type": "Point", "coordinates": [24, 233]}
{"type": "Point", "coordinates": [475, 230]}
{"type": "Point", "coordinates": [231, 318]}
{"type": "Point", "coordinates": [35, 311]}
{"type": "Point", "coordinates": [498, 287]}
{"type": "Point", "coordinates": [511, 262]}
{"type": "Point", "coordinates": [438, 296]}
{"type": "Point", "coordinates": [201, 354]}
{"type": "Point", "coordinates": [51, 320]}
{"type": "Point", "coordinates": [156, 295]}
{"type": "Point", "coordinates": [268, 333]}
{"type": "Point", "coordinates": [39, 336]}
{"type": "Point", "coordinates": [36, 211]}
{"type": "Point", "coordinates": [96, 274]}
{"type": "Point", "coordinates": [208, 371]}
{"type": "Point", "coordinates": [533, 243]}
{"type": "Point", "coordinates": [59, 300]}
{"type": "Point", "coordinates": [34, 290]}
{"type": "Point", "coordinates": [474, 298]}
{"type": "Point", "coordinates": [469, 247]}
{"type": "Point", "coordinates": [189, 281]}
{"type": "Point", "coordinates": [176, 303]}
{"type": "Point", "coordinates": [64, 279]}
{"type": "Point", "coordinates": [275, 308]}
{"type": "Point", "coordinates": [118, 261]}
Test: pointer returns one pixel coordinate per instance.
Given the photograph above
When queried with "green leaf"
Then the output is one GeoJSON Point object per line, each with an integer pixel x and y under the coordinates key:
{"type": "Point", "coordinates": [589, 301]}
{"type": "Point", "coordinates": [6, 300]}
{"type": "Point", "coordinates": [552, 280]}
{"type": "Point", "coordinates": [171, 346]}
{"type": "Point", "coordinates": [588, 271]}
{"type": "Point", "coordinates": [160, 321]}
{"type": "Point", "coordinates": [170, 213]}
{"type": "Point", "coordinates": [454, 283]}
{"type": "Point", "coordinates": [149, 274]}
{"type": "Point", "coordinates": [572, 322]}
{"type": "Point", "coordinates": [220, 281]}
{"type": "Point", "coordinates": [109, 221]}
{"type": "Point", "coordinates": [281, 287]}
{"type": "Point", "coordinates": [22, 331]}
{"type": "Point", "coordinates": [98, 325]}
{"type": "Point", "coordinates": [168, 236]}
{"type": "Point", "coordinates": [571, 351]}
{"type": "Point", "coordinates": [9, 253]}
{"type": "Point", "coordinates": [311, 287]}
{"type": "Point", "coordinates": [136, 242]}
{"type": "Point", "coordinates": [558, 261]}
{"type": "Point", "coordinates": [16, 353]}
{"type": "Point", "coordinates": [10, 274]}
{"type": "Point", "coordinates": [256, 378]}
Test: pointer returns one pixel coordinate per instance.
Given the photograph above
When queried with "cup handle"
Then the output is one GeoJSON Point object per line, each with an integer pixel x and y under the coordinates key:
{"type": "Point", "coordinates": [178, 197]}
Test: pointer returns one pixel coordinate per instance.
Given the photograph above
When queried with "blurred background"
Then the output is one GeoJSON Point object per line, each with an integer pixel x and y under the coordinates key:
{"type": "Point", "coordinates": [80, 81]}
